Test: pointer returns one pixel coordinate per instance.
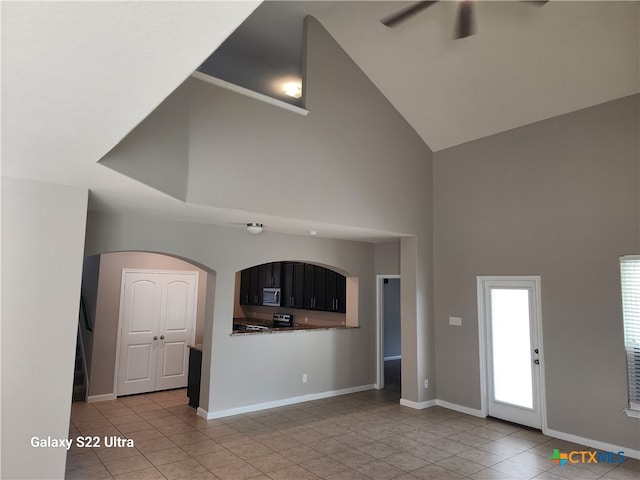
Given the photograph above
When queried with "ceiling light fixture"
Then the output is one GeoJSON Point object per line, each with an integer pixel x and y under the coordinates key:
{"type": "Point", "coordinates": [293, 89]}
{"type": "Point", "coordinates": [254, 228]}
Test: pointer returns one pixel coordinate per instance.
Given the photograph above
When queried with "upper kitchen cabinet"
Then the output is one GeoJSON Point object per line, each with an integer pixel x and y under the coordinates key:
{"type": "Point", "coordinates": [303, 286]}
{"type": "Point", "coordinates": [315, 287]}
{"type": "Point", "coordinates": [336, 292]}
{"type": "Point", "coordinates": [250, 289]}
{"type": "Point", "coordinates": [269, 274]}
{"type": "Point", "coordinates": [293, 285]}
{"type": "Point", "coordinates": [254, 279]}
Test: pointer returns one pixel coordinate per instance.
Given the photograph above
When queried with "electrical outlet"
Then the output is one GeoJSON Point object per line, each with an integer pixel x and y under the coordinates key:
{"type": "Point", "coordinates": [306, 319]}
{"type": "Point", "coordinates": [457, 321]}
{"type": "Point", "coordinates": [426, 383]}
{"type": "Point", "coordinates": [304, 378]}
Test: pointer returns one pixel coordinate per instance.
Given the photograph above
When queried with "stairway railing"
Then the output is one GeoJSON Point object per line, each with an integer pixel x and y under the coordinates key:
{"type": "Point", "coordinates": [85, 372]}
{"type": "Point", "coordinates": [84, 314]}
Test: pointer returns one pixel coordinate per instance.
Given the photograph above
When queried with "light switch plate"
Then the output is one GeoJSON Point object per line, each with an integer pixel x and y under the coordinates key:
{"type": "Point", "coordinates": [457, 321]}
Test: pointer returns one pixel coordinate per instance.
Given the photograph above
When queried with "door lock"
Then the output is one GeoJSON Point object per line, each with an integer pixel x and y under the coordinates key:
{"type": "Point", "coordinates": [161, 337]}
{"type": "Point", "coordinates": [536, 361]}
{"type": "Point", "coordinates": [155, 337]}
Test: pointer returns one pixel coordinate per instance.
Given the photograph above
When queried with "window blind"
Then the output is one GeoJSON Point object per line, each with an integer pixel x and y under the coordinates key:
{"type": "Point", "coordinates": [630, 281]}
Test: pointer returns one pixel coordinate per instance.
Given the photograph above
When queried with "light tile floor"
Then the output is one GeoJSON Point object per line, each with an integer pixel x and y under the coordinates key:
{"type": "Point", "coordinates": [366, 436]}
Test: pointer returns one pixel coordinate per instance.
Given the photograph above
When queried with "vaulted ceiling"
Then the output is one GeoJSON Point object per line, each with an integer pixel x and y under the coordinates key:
{"type": "Point", "coordinates": [77, 77]}
{"type": "Point", "coordinates": [525, 63]}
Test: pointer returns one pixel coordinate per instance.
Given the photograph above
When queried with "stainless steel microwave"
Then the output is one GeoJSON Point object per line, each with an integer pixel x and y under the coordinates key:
{"type": "Point", "coordinates": [271, 297]}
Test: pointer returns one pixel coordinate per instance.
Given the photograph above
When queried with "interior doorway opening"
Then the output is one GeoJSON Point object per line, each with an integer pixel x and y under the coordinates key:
{"type": "Point", "coordinates": [389, 334]}
{"type": "Point", "coordinates": [101, 293]}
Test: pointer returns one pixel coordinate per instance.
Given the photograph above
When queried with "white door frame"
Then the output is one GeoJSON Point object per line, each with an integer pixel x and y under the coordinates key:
{"type": "Point", "coordinates": [483, 341]}
{"type": "Point", "coordinates": [380, 329]}
{"type": "Point", "coordinates": [120, 312]}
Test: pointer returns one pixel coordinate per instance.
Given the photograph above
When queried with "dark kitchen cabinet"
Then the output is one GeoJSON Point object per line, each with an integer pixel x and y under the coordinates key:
{"type": "Point", "coordinates": [244, 286]}
{"type": "Point", "coordinates": [304, 286]}
{"type": "Point", "coordinates": [336, 292]}
{"type": "Point", "coordinates": [250, 291]}
{"type": "Point", "coordinates": [193, 380]}
{"type": "Point", "coordinates": [254, 279]}
{"type": "Point", "coordinates": [309, 286]}
{"type": "Point", "coordinates": [293, 285]}
{"type": "Point", "coordinates": [315, 279]}
{"type": "Point", "coordinates": [269, 275]}
{"type": "Point", "coordinates": [320, 301]}
{"type": "Point", "coordinates": [255, 292]}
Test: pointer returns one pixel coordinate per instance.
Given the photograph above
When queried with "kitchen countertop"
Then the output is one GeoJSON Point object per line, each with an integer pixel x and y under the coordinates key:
{"type": "Point", "coordinates": [268, 323]}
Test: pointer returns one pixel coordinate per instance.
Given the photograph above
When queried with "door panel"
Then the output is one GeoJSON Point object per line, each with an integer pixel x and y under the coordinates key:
{"type": "Point", "coordinates": [138, 368]}
{"type": "Point", "coordinates": [138, 349]}
{"type": "Point", "coordinates": [173, 361]}
{"type": "Point", "coordinates": [177, 306]}
{"type": "Point", "coordinates": [143, 314]}
{"type": "Point", "coordinates": [510, 328]}
{"type": "Point", "coordinates": [177, 324]}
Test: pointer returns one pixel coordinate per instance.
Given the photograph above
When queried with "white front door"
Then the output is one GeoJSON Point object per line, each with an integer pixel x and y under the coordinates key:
{"type": "Point", "coordinates": [157, 321]}
{"type": "Point", "coordinates": [510, 330]}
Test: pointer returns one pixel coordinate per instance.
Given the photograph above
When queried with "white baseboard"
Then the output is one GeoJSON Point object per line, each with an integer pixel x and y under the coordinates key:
{"type": "Point", "coordinates": [393, 357]}
{"type": "Point", "coordinates": [202, 412]}
{"type": "Point", "coordinates": [608, 447]}
{"type": "Point", "coordinates": [460, 408]}
{"type": "Point", "coordinates": [101, 398]}
{"type": "Point", "coordinates": [417, 405]}
{"type": "Point", "coordinates": [281, 403]}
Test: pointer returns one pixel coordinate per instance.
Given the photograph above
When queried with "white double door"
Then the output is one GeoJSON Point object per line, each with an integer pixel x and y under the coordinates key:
{"type": "Point", "coordinates": [157, 322]}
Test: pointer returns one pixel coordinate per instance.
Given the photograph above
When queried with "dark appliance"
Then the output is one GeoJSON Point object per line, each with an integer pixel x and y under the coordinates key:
{"type": "Point", "coordinates": [282, 320]}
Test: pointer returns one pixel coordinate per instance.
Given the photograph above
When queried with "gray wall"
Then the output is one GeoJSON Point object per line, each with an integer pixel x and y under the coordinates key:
{"type": "Point", "coordinates": [391, 309]}
{"type": "Point", "coordinates": [108, 309]}
{"type": "Point", "coordinates": [247, 370]}
{"type": "Point", "coordinates": [388, 258]}
{"type": "Point", "coordinates": [156, 153]}
{"type": "Point", "coordinates": [353, 160]}
{"type": "Point", "coordinates": [557, 199]}
{"type": "Point", "coordinates": [42, 237]}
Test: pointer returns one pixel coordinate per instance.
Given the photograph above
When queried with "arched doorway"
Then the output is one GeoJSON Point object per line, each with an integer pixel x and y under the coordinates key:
{"type": "Point", "coordinates": [101, 296]}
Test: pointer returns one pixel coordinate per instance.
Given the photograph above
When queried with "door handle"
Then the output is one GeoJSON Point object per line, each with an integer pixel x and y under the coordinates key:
{"type": "Point", "coordinates": [155, 337]}
{"type": "Point", "coordinates": [536, 361]}
{"type": "Point", "coordinates": [161, 337]}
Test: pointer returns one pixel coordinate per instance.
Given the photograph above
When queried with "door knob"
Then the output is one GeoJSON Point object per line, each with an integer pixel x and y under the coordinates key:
{"type": "Point", "coordinates": [536, 351]}
{"type": "Point", "coordinates": [536, 361]}
{"type": "Point", "coordinates": [161, 337]}
{"type": "Point", "coordinates": [155, 338]}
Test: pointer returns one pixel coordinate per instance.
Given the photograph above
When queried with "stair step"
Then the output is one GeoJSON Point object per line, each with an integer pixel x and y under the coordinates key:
{"type": "Point", "coordinates": [79, 393]}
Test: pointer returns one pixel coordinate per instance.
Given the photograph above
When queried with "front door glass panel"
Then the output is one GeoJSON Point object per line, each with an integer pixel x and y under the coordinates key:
{"type": "Point", "coordinates": [511, 343]}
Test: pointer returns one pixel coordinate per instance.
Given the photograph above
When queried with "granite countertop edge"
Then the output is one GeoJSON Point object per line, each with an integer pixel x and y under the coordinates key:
{"type": "Point", "coordinates": [292, 329]}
